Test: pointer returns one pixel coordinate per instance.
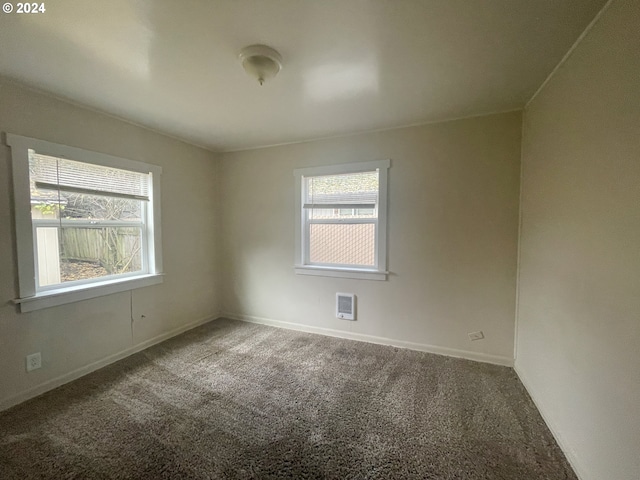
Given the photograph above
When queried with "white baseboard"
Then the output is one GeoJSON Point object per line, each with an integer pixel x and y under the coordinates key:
{"type": "Point", "coordinates": [572, 458]}
{"type": "Point", "coordinates": [80, 372]}
{"type": "Point", "coordinates": [421, 347]}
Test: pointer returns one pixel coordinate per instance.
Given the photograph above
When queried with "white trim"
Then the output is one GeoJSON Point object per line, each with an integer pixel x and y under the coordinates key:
{"type": "Point", "coordinates": [320, 271]}
{"type": "Point", "coordinates": [302, 265]}
{"type": "Point", "coordinates": [60, 296]}
{"type": "Point", "coordinates": [72, 285]}
{"type": "Point", "coordinates": [569, 52]}
{"type": "Point", "coordinates": [154, 229]}
{"type": "Point", "coordinates": [383, 211]}
{"type": "Point", "coordinates": [23, 224]}
{"type": "Point", "coordinates": [421, 347]}
{"type": "Point", "coordinates": [31, 297]}
{"type": "Point", "coordinates": [79, 154]}
{"type": "Point", "coordinates": [343, 221]}
{"type": "Point", "coordinates": [85, 223]}
{"type": "Point", "coordinates": [569, 453]}
{"type": "Point", "coordinates": [86, 369]}
{"type": "Point", "coordinates": [299, 221]}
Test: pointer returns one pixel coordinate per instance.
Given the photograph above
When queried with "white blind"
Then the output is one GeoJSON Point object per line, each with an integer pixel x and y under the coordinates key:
{"type": "Point", "coordinates": [358, 190]}
{"type": "Point", "coordinates": [48, 172]}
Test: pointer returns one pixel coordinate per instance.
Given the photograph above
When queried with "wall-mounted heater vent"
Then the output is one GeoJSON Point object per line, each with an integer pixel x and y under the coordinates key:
{"type": "Point", "coordinates": [346, 306]}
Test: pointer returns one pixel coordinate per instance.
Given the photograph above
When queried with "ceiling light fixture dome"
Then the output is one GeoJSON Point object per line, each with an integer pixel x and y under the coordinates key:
{"type": "Point", "coordinates": [261, 62]}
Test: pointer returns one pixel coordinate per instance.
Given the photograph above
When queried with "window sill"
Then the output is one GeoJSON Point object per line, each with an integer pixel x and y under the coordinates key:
{"type": "Point", "coordinates": [357, 273]}
{"type": "Point", "coordinates": [64, 295]}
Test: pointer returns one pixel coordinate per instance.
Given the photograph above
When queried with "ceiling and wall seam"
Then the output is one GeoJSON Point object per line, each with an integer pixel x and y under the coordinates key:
{"type": "Point", "coordinates": [586, 31]}
{"type": "Point", "coordinates": [375, 130]}
{"type": "Point", "coordinates": [564, 59]}
{"type": "Point", "coordinates": [75, 103]}
{"type": "Point", "coordinates": [221, 152]}
{"type": "Point", "coordinates": [519, 250]}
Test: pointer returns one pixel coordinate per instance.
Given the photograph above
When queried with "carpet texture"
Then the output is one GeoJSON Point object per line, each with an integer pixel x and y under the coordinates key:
{"type": "Point", "coordinates": [236, 400]}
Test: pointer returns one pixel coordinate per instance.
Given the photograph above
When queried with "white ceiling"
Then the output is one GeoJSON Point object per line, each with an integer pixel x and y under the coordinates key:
{"type": "Point", "coordinates": [349, 65]}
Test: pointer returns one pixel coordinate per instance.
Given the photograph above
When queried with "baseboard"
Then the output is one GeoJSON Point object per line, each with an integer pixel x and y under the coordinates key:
{"type": "Point", "coordinates": [421, 347]}
{"type": "Point", "coordinates": [572, 458]}
{"type": "Point", "coordinates": [80, 372]}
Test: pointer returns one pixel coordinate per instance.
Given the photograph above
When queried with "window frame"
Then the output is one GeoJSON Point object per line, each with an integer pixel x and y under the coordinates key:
{"type": "Point", "coordinates": [302, 266]}
{"type": "Point", "coordinates": [30, 296]}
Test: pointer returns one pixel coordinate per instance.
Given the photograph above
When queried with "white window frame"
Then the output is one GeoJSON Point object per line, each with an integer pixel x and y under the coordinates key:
{"type": "Point", "coordinates": [302, 265]}
{"type": "Point", "coordinates": [30, 296]}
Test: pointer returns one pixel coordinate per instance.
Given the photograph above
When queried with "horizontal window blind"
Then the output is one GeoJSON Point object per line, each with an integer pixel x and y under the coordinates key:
{"type": "Point", "coordinates": [52, 173]}
{"type": "Point", "coordinates": [350, 190]}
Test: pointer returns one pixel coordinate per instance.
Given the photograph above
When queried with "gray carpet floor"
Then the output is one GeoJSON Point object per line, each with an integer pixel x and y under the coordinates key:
{"type": "Point", "coordinates": [236, 400]}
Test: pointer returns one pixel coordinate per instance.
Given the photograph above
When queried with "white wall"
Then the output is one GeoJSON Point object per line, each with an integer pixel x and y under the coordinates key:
{"type": "Point", "coordinates": [578, 325]}
{"type": "Point", "coordinates": [76, 337]}
{"type": "Point", "coordinates": [453, 224]}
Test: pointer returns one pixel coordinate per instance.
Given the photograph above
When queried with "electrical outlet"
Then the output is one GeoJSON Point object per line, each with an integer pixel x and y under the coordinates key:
{"type": "Point", "coordinates": [34, 361]}
{"type": "Point", "coordinates": [476, 336]}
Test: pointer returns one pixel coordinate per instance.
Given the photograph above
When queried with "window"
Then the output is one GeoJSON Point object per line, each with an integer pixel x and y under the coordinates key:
{"type": "Point", "coordinates": [341, 220]}
{"type": "Point", "coordinates": [87, 224]}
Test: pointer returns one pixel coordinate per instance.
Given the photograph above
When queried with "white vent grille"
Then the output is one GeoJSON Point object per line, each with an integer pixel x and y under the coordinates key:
{"type": "Point", "coordinates": [346, 306]}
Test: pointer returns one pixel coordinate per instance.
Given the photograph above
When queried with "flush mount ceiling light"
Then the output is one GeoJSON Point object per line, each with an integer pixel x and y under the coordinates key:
{"type": "Point", "coordinates": [261, 62]}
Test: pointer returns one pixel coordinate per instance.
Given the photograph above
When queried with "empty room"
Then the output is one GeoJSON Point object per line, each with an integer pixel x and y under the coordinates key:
{"type": "Point", "coordinates": [341, 239]}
